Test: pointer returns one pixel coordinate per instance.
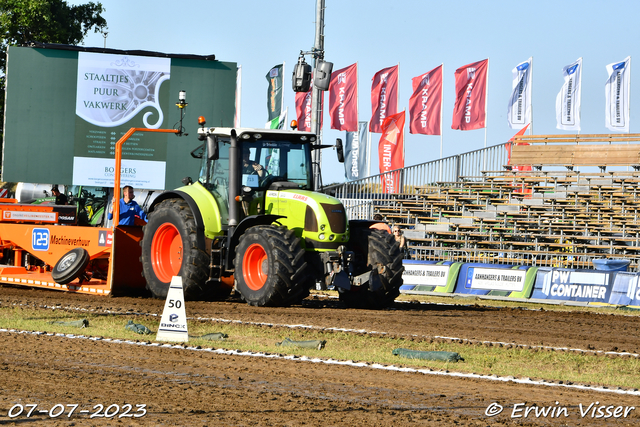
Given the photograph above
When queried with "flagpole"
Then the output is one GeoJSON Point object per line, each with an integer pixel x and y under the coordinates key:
{"type": "Point", "coordinates": [238, 96]}
{"type": "Point", "coordinates": [282, 97]}
{"type": "Point", "coordinates": [531, 100]}
{"type": "Point", "coordinates": [441, 106]}
{"type": "Point", "coordinates": [368, 151]}
{"type": "Point", "coordinates": [398, 91]}
{"type": "Point", "coordinates": [580, 100]}
{"type": "Point", "coordinates": [398, 104]}
{"type": "Point", "coordinates": [629, 96]}
{"type": "Point", "coordinates": [486, 116]}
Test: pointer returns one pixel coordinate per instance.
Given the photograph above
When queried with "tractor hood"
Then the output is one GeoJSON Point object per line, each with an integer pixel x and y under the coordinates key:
{"type": "Point", "coordinates": [320, 220]}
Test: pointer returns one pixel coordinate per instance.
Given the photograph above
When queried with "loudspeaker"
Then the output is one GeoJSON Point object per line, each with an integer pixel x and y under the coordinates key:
{"type": "Point", "coordinates": [323, 75]}
{"type": "Point", "coordinates": [339, 150]}
{"type": "Point", "coordinates": [301, 81]}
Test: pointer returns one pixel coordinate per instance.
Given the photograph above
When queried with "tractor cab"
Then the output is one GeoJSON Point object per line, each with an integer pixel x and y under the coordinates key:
{"type": "Point", "coordinates": [265, 160]}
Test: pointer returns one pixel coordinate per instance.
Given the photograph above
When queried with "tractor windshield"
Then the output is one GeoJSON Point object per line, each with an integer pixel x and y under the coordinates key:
{"type": "Point", "coordinates": [265, 162]}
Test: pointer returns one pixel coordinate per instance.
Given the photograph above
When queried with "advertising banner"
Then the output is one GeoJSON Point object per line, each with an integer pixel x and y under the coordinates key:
{"type": "Point", "coordinates": [569, 98]}
{"type": "Point", "coordinates": [616, 92]}
{"type": "Point", "coordinates": [391, 152]}
{"type": "Point", "coordinates": [384, 97]}
{"type": "Point", "coordinates": [274, 91]}
{"type": "Point", "coordinates": [67, 106]}
{"type": "Point", "coordinates": [343, 99]}
{"type": "Point", "coordinates": [355, 152]}
{"type": "Point", "coordinates": [519, 111]}
{"type": "Point", "coordinates": [111, 91]}
{"type": "Point", "coordinates": [590, 286]}
{"type": "Point", "coordinates": [626, 290]}
{"type": "Point", "coordinates": [429, 276]}
{"type": "Point", "coordinates": [496, 279]}
{"type": "Point", "coordinates": [425, 104]}
{"type": "Point", "coordinates": [470, 108]}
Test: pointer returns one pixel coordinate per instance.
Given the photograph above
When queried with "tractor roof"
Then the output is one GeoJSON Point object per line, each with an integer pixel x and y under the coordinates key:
{"type": "Point", "coordinates": [254, 135]}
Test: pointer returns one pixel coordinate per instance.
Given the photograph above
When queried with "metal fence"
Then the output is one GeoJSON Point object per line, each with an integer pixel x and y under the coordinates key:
{"type": "Point", "coordinates": [378, 189]}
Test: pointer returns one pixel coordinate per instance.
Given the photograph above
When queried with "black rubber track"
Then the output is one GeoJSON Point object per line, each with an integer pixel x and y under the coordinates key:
{"type": "Point", "coordinates": [195, 262]}
{"type": "Point", "coordinates": [288, 280]}
{"type": "Point", "coordinates": [375, 249]}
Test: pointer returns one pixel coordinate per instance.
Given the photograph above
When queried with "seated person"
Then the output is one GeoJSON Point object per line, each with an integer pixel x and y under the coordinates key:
{"type": "Point", "coordinates": [129, 209]}
{"type": "Point", "coordinates": [251, 167]}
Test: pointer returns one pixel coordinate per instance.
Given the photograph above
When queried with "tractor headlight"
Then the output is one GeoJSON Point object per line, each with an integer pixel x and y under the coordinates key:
{"type": "Point", "coordinates": [331, 237]}
{"type": "Point", "coordinates": [321, 236]}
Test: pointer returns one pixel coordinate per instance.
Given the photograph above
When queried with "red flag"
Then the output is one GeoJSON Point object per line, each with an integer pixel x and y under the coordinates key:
{"type": "Point", "coordinates": [303, 110]}
{"type": "Point", "coordinates": [343, 99]}
{"type": "Point", "coordinates": [391, 152]}
{"type": "Point", "coordinates": [384, 97]}
{"type": "Point", "coordinates": [469, 111]}
{"type": "Point", "coordinates": [516, 168]}
{"type": "Point", "coordinates": [425, 105]}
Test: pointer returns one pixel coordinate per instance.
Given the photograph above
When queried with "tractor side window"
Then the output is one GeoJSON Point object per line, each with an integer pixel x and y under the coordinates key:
{"type": "Point", "coordinates": [298, 166]}
{"type": "Point", "coordinates": [214, 175]}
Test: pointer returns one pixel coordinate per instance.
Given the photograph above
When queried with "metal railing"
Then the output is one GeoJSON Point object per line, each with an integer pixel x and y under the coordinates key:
{"type": "Point", "coordinates": [378, 189]}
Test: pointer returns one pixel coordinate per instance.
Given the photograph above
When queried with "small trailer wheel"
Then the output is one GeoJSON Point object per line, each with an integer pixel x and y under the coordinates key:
{"type": "Point", "coordinates": [70, 266]}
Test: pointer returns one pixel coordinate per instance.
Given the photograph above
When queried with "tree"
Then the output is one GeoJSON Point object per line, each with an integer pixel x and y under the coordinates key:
{"type": "Point", "coordinates": [44, 21]}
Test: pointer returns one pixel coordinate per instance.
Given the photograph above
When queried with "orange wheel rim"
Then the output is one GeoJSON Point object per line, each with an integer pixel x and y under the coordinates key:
{"type": "Point", "coordinates": [166, 252]}
{"type": "Point", "coordinates": [255, 267]}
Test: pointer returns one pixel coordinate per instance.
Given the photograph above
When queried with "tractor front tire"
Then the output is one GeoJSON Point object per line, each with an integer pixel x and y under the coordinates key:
{"type": "Point", "coordinates": [270, 270]}
{"type": "Point", "coordinates": [169, 248]}
{"type": "Point", "coordinates": [375, 250]}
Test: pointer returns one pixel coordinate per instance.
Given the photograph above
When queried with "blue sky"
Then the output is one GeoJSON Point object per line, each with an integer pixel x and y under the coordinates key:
{"type": "Point", "coordinates": [417, 34]}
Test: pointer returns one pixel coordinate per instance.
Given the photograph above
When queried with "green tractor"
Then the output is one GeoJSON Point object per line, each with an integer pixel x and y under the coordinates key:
{"type": "Point", "coordinates": [252, 222]}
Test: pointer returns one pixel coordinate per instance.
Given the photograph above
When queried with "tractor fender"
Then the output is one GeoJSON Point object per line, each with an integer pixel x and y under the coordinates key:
{"type": "Point", "coordinates": [244, 225]}
{"type": "Point", "coordinates": [362, 223]}
{"type": "Point", "coordinates": [197, 216]}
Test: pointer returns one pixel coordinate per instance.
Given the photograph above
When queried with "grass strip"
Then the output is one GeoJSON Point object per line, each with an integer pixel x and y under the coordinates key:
{"type": "Point", "coordinates": [568, 367]}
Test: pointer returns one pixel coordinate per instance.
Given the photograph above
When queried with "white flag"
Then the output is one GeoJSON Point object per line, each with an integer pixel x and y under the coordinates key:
{"type": "Point", "coordinates": [519, 114]}
{"type": "Point", "coordinates": [617, 94]}
{"type": "Point", "coordinates": [568, 100]}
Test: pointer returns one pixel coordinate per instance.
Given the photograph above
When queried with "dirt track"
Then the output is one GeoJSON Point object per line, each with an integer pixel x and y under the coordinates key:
{"type": "Point", "coordinates": [182, 387]}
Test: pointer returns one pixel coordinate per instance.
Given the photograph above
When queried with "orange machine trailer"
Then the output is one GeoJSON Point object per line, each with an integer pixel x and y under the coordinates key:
{"type": "Point", "coordinates": [40, 242]}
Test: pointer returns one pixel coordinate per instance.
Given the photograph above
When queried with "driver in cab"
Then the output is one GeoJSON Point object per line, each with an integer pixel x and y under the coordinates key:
{"type": "Point", "coordinates": [251, 167]}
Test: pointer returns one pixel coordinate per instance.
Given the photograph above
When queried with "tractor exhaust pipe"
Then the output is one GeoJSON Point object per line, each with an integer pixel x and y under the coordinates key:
{"type": "Point", "coordinates": [234, 182]}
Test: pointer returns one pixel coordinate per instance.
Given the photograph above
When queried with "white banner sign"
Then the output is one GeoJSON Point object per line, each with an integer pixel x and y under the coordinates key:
{"type": "Point", "coordinates": [98, 172]}
{"type": "Point", "coordinates": [569, 97]}
{"type": "Point", "coordinates": [519, 113]}
{"type": "Point", "coordinates": [112, 89]}
{"type": "Point", "coordinates": [421, 274]}
{"type": "Point", "coordinates": [617, 95]}
{"type": "Point", "coordinates": [498, 279]}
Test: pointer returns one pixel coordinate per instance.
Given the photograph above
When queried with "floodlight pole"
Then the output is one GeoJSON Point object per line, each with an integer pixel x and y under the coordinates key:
{"type": "Point", "coordinates": [316, 94]}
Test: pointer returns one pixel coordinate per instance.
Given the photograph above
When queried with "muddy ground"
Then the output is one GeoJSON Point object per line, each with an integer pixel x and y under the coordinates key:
{"type": "Point", "coordinates": [189, 388]}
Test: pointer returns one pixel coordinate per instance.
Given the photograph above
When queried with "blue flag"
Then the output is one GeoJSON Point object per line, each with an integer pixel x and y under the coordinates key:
{"type": "Point", "coordinates": [355, 152]}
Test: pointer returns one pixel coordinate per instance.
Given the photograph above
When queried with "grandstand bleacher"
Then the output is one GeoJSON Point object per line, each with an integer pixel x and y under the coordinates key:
{"type": "Point", "coordinates": [563, 218]}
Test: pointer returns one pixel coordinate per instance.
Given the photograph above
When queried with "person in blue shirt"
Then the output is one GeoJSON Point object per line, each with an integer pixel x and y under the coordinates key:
{"type": "Point", "coordinates": [129, 209]}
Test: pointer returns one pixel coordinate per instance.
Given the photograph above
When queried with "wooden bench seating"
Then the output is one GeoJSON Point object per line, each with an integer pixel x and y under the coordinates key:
{"type": "Point", "coordinates": [576, 150]}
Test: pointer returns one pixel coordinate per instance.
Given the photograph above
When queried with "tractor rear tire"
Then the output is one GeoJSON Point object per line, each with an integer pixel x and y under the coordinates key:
{"type": "Point", "coordinates": [70, 266]}
{"type": "Point", "coordinates": [270, 270]}
{"type": "Point", "coordinates": [375, 250]}
{"type": "Point", "coordinates": [169, 248]}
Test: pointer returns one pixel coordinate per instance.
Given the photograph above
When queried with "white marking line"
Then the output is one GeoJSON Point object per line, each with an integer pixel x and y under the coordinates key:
{"type": "Point", "coordinates": [359, 331]}
{"type": "Point", "coordinates": [427, 371]}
